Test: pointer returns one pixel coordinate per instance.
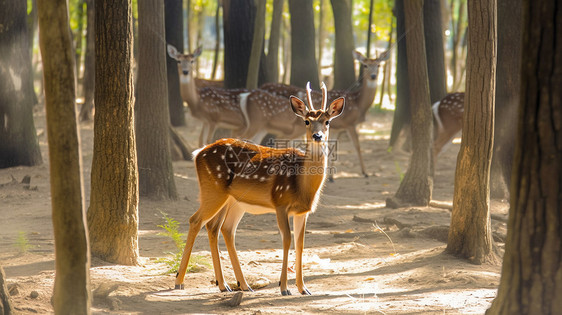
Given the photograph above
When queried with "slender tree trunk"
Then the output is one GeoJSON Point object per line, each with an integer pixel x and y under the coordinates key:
{"type": "Point", "coordinates": [238, 23]}
{"type": "Point", "coordinates": [18, 139]}
{"type": "Point", "coordinates": [303, 55]}
{"type": "Point", "coordinates": [417, 186]}
{"type": "Point", "coordinates": [274, 36]}
{"type": "Point", "coordinates": [257, 46]}
{"type": "Point", "coordinates": [434, 49]}
{"type": "Point", "coordinates": [470, 233]}
{"type": "Point", "coordinates": [88, 85]}
{"type": "Point", "coordinates": [531, 280]}
{"type": "Point", "coordinates": [6, 307]}
{"type": "Point", "coordinates": [344, 68]}
{"type": "Point", "coordinates": [321, 36]}
{"type": "Point", "coordinates": [72, 278]}
{"type": "Point", "coordinates": [217, 42]}
{"type": "Point", "coordinates": [113, 212]}
{"type": "Point", "coordinates": [156, 176]}
{"type": "Point", "coordinates": [174, 36]}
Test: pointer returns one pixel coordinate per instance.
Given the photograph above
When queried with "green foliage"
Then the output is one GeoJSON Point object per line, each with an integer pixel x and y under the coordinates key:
{"type": "Point", "coordinates": [171, 230]}
{"type": "Point", "coordinates": [22, 243]}
{"type": "Point", "coordinates": [399, 170]}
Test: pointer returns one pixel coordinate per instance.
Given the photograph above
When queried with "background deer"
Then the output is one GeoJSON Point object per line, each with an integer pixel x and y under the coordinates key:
{"type": "Point", "coordinates": [447, 115]}
{"type": "Point", "coordinates": [237, 177]}
{"type": "Point", "coordinates": [214, 107]}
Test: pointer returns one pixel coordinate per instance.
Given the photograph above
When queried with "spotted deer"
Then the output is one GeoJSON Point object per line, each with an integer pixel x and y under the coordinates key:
{"type": "Point", "coordinates": [447, 115]}
{"type": "Point", "coordinates": [236, 177]}
{"type": "Point", "coordinates": [214, 107]}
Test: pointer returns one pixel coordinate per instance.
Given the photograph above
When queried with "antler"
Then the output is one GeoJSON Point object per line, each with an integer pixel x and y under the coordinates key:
{"type": "Point", "coordinates": [324, 96]}
{"type": "Point", "coordinates": [308, 96]}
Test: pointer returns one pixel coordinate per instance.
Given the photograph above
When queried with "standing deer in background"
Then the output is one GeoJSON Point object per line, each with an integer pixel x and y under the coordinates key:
{"type": "Point", "coordinates": [214, 107]}
{"type": "Point", "coordinates": [447, 115]}
{"type": "Point", "coordinates": [237, 177]}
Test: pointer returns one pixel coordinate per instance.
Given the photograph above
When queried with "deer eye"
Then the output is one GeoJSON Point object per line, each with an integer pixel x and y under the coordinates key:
{"type": "Point", "coordinates": [307, 122]}
{"type": "Point", "coordinates": [327, 122]}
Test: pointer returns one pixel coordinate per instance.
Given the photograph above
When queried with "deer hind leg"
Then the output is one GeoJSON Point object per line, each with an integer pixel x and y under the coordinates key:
{"type": "Point", "coordinates": [355, 139]}
{"type": "Point", "coordinates": [213, 227]}
{"type": "Point", "coordinates": [211, 203]}
{"type": "Point", "coordinates": [211, 134]}
{"type": "Point", "coordinates": [228, 230]}
{"type": "Point", "coordinates": [283, 224]}
{"type": "Point", "coordinates": [299, 226]}
{"type": "Point", "coordinates": [203, 134]}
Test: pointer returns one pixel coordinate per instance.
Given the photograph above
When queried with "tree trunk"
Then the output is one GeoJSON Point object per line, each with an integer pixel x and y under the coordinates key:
{"type": "Point", "coordinates": [217, 42]}
{"type": "Point", "coordinates": [303, 55]}
{"type": "Point", "coordinates": [72, 282]}
{"type": "Point", "coordinates": [174, 36]}
{"type": "Point", "coordinates": [507, 95]}
{"type": "Point", "coordinates": [238, 24]}
{"type": "Point", "coordinates": [434, 49]}
{"type": "Point", "coordinates": [113, 212]}
{"type": "Point", "coordinates": [274, 36]}
{"type": "Point", "coordinates": [6, 307]}
{"type": "Point", "coordinates": [18, 139]}
{"type": "Point", "coordinates": [344, 68]}
{"type": "Point", "coordinates": [88, 85]}
{"type": "Point", "coordinates": [417, 185]}
{"type": "Point", "coordinates": [156, 175]}
{"type": "Point", "coordinates": [257, 46]}
{"type": "Point", "coordinates": [470, 233]}
{"type": "Point", "coordinates": [402, 114]}
{"type": "Point", "coordinates": [531, 280]}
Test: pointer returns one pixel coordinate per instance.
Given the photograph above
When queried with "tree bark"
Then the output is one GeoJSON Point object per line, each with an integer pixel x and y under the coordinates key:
{"type": "Point", "coordinates": [344, 68]}
{"type": "Point", "coordinates": [88, 85]}
{"type": "Point", "coordinates": [257, 46]}
{"type": "Point", "coordinates": [417, 185]}
{"type": "Point", "coordinates": [113, 212]}
{"type": "Point", "coordinates": [531, 280]}
{"type": "Point", "coordinates": [6, 307]}
{"type": "Point", "coordinates": [507, 95]}
{"type": "Point", "coordinates": [174, 36]}
{"type": "Point", "coordinates": [470, 233]}
{"type": "Point", "coordinates": [238, 24]}
{"type": "Point", "coordinates": [156, 175]}
{"type": "Point", "coordinates": [18, 139]}
{"type": "Point", "coordinates": [303, 55]}
{"type": "Point", "coordinates": [72, 283]}
{"type": "Point", "coordinates": [434, 49]}
{"type": "Point", "coordinates": [272, 60]}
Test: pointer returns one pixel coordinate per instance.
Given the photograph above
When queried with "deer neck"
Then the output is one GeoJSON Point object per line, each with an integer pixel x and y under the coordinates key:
{"type": "Point", "coordinates": [188, 91]}
{"type": "Point", "coordinates": [313, 176]}
{"type": "Point", "coordinates": [367, 93]}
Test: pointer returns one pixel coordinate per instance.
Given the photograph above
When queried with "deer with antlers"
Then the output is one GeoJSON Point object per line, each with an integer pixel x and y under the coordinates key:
{"type": "Point", "coordinates": [214, 107]}
{"type": "Point", "coordinates": [237, 177]}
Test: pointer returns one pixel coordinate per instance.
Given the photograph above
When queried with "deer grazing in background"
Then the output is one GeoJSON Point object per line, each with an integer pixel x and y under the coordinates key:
{"type": "Point", "coordinates": [214, 107]}
{"type": "Point", "coordinates": [237, 177]}
{"type": "Point", "coordinates": [447, 115]}
{"type": "Point", "coordinates": [357, 102]}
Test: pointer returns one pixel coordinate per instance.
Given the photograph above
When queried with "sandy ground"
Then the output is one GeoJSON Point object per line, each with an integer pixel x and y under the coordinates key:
{"type": "Point", "coordinates": [350, 266]}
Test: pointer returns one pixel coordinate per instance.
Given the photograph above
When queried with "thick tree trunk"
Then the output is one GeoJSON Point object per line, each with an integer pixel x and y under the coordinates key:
{"type": "Point", "coordinates": [238, 24]}
{"type": "Point", "coordinates": [72, 283]}
{"type": "Point", "coordinates": [6, 307]}
{"type": "Point", "coordinates": [344, 68]}
{"type": "Point", "coordinates": [156, 175]}
{"type": "Point", "coordinates": [507, 95]}
{"type": "Point", "coordinates": [470, 233]}
{"type": "Point", "coordinates": [88, 85]}
{"type": "Point", "coordinates": [18, 139]}
{"type": "Point", "coordinates": [434, 49]}
{"type": "Point", "coordinates": [402, 114]}
{"type": "Point", "coordinates": [174, 36]}
{"type": "Point", "coordinates": [303, 55]}
{"type": "Point", "coordinates": [417, 185]}
{"type": "Point", "coordinates": [531, 280]}
{"type": "Point", "coordinates": [113, 212]}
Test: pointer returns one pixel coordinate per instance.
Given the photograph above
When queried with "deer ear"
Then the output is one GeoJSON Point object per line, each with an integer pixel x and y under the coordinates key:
{"type": "Point", "coordinates": [359, 56]}
{"type": "Point", "coordinates": [172, 51]}
{"type": "Point", "coordinates": [336, 108]}
{"type": "Point", "coordinates": [198, 51]}
{"type": "Point", "coordinates": [298, 106]}
{"type": "Point", "coordinates": [384, 56]}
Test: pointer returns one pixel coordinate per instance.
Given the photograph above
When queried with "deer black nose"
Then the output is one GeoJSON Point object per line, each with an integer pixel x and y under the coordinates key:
{"type": "Point", "coordinates": [373, 76]}
{"type": "Point", "coordinates": [185, 72]}
{"type": "Point", "coordinates": [317, 137]}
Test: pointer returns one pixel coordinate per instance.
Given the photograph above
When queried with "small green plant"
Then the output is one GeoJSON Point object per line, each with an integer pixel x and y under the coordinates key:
{"type": "Point", "coordinates": [22, 243]}
{"type": "Point", "coordinates": [171, 230]}
{"type": "Point", "coordinates": [399, 170]}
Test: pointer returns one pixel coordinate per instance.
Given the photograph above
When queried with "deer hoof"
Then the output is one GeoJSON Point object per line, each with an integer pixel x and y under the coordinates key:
{"type": "Point", "coordinates": [179, 287]}
{"type": "Point", "coordinates": [305, 292]}
{"type": "Point", "coordinates": [249, 289]}
{"type": "Point", "coordinates": [286, 292]}
{"type": "Point", "coordinates": [226, 289]}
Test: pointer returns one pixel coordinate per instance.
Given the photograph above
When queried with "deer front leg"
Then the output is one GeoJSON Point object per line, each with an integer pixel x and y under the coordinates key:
{"type": "Point", "coordinates": [299, 227]}
{"type": "Point", "coordinates": [211, 133]}
{"type": "Point", "coordinates": [213, 227]}
{"type": "Point", "coordinates": [283, 224]}
{"type": "Point", "coordinates": [203, 134]}
{"type": "Point", "coordinates": [228, 230]}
